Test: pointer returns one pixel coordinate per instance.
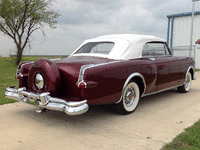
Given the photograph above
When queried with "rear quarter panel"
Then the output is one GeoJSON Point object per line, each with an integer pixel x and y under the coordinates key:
{"type": "Point", "coordinates": [184, 64]}
{"type": "Point", "coordinates": [111, 79]}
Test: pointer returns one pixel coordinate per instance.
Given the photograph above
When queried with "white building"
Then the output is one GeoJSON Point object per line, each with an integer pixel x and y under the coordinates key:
{"type": "Point", "coordinates": [179, 32]}
{"type": "Point", "coordinates": [179, 29]}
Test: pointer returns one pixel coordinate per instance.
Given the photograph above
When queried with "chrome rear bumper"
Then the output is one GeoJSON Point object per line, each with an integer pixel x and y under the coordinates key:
{"type": "Point", "coordinates": [44, 100]}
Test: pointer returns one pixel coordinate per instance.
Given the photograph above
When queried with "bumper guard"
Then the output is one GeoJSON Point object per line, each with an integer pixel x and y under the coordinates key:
{"type": "Point", "coordinates": [44, 100]}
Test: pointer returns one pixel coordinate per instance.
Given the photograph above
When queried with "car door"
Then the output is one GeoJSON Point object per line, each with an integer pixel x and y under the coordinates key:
{"type": "Point", "coordinates": [167, 65]}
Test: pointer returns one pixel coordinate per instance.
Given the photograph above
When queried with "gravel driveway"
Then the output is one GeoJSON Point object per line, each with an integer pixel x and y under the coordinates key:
{"type": "Point", "coordinates": [157, 120]}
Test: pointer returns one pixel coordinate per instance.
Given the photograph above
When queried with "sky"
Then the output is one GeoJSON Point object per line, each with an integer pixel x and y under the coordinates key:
{"type": "Point", "coordinates": [84, 19]}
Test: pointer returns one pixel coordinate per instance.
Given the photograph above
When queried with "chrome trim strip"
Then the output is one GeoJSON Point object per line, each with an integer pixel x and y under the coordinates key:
{"type": "Point", "coordinates": [20, 75]}
{"type": "Point", "coordinates": [152, 59]}
{"type": "Point", "coordinates": [82, 70]}
{"type": "Point", "coordinates": [46, 101]}
{"type": "Point", "coordinates": [161, 90]}
{"type": "Point", "coordinates": [22, 66]}
{"type": "Point", "coordinates": [25, 63]}
{"type": "Point", "coordinates": [136, 74]}
{"type": "Point", "coordinates": [18, 69]}
{"type": "Point", "coordinates": [55, 59]}
{"type": "Point", "coordinates": [82, 82]}
{"type": "Point", "coordinates": [85, 67]}
{"type": "Point", "coordinates": [193, 76]}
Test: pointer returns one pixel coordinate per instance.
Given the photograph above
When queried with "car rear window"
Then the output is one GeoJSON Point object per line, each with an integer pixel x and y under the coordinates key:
{"type": "Point", "coordinates": [97, 47]}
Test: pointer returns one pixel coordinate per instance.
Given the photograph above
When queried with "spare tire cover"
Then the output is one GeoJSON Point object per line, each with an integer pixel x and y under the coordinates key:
{"type": "Point", "coordinates": [49, 72]}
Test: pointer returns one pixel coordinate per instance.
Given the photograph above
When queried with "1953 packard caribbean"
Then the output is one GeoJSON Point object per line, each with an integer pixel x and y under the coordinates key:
{"type": "Point", "coordinates": [113, 69]}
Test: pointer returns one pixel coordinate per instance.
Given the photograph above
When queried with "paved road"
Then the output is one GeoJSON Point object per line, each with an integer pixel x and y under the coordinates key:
{"type": "Point", "coordinates": [157, 120]}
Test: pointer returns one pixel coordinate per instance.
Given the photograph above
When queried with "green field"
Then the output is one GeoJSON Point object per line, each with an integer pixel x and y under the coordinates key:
{"type": "Point", "coordinates": [188, 140]}
{"type": "Point", "coordinates": [7, 75]}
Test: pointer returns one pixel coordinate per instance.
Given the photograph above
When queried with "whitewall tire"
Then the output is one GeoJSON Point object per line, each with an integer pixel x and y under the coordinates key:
{"type": "Point", "coordinates": [187, 84]}
{"type": "Point", "coordinates": [130, 99]}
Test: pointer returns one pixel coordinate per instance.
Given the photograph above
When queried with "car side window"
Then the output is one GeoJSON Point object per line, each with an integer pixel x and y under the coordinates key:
{"type": "Point", "coordinates": [155, 49]}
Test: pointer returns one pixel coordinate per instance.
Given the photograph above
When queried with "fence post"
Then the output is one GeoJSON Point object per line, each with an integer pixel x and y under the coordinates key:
{"type": "Point", "coordinates": [197, 57]}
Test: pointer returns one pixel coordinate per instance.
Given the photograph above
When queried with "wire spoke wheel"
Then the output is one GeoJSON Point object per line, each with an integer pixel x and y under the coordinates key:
{"type": "Point", "coordinates": [130, 99]}
{"type": "Point", "coordinates": [187, 84]}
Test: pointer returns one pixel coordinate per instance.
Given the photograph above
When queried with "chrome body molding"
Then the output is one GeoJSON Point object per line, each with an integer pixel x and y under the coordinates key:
{"type": "Point", "coordinates": [132, 76]}
{"type": "Point", "coordinates": [161, 90]}
{"type": "Point", "coordinates": [44, 100]}
{"type": "Point", "coordinates": [85, 67]}
{"type": "Point", "coordinates": [193, 75]}
{"type": "Point", "coordinates": [25, 64]}
{"type": "Point", "coordinates": [19, 75]}
{"type": "Point", "coordinates": [136, 74]}
{"type": "Point", "coordinates": [82, 70]}
{"type": "Point", "coordinates": [83, 83]}
{"type": "Point", "coordinates": [152, 59]}
{"type": "Point", "coordinates": [55, 59]}
{"type": "Point", "coordinates": [17, 72]}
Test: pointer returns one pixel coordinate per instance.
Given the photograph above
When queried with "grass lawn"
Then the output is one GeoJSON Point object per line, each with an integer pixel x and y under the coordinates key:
{"type": "Point", "coordinates": [7, 73]}
{"type": "Point", "coordinates": [197, 69]}
{"type": "Point", "coordinates": [188, 140]}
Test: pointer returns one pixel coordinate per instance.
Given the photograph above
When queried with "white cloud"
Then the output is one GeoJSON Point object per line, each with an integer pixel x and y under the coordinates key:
{"type": "Point", "coordinates": [83, 19]}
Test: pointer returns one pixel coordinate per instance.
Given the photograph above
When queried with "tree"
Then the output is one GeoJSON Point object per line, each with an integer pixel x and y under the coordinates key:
{"type": "Point", "coordinates": [20, 18]}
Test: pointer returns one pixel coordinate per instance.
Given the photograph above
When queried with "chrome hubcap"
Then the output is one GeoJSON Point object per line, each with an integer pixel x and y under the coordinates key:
{"type": "Point", "coordinates": [130, 96]}
{"type": "Point", "coordinates": [187, 82]}
{"type": "Point", "coordinates": [39, 81]}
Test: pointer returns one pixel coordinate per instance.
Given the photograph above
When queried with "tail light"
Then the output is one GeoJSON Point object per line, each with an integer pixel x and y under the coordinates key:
{"type": "Point", "coordinates": [82, 85]}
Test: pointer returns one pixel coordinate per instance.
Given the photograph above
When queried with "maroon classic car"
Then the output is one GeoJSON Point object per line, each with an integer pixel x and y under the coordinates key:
{"type": "Point", "coordinates": [113, 69]}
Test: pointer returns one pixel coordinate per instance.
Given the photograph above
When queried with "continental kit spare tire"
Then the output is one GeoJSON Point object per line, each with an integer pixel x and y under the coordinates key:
{"type": "Point", "coordinates": [44, 76]}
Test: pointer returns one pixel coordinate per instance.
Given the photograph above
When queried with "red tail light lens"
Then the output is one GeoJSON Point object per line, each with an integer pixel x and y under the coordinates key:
{"type": "Point", "coordinates": [82, 85]}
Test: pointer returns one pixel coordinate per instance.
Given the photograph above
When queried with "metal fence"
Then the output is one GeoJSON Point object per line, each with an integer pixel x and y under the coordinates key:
{"type": "Point", "coordinates": [42, 55]}
{"type": "Point", "coordinates": [183, 51]}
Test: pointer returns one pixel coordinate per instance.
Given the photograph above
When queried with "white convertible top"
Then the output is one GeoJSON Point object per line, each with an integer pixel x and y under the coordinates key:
{"type": "Point", "coordinates": [127, 46]}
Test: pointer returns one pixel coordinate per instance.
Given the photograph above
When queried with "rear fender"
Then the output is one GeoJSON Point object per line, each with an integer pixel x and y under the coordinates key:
{"type": "Point", "coordinates": [135, 76]}
{"type": "Point", "coordinates": [191, 69]}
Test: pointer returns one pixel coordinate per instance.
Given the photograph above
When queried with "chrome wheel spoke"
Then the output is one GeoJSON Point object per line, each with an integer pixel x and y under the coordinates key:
{"type": "Point", "coordinates": [187, 82]}
{"type": "Point", "coordinates": [130, 97]}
